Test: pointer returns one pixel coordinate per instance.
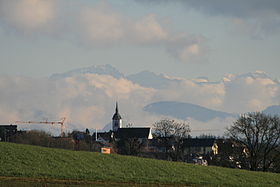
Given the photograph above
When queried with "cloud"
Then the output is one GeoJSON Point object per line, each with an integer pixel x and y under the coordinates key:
{"type": "Point", "coordinates": [215, 126]}
{"type": "Point", "coordinates": [187, 48]}
{"type": "Point", "coordinates": [148, 29]}
{"type": "Point", "coordinates": [238, 8]}
{"type": "Point", "coordinates": [102, 25]}
{"type": "Point", "coordinates": [208, 95]}
{"type": "Point", "coordinates": [27, 15]}
{"type": "Point", "coordinates": [234, 93]}
{"type": "Point", "coordinates": [252, 93]}
{"type": "Point", "coordinates": [256, 18]}
{"type": "Point", "coordinates": [96, 25]}
{"type": "Point", "coordinates": [87, 100]}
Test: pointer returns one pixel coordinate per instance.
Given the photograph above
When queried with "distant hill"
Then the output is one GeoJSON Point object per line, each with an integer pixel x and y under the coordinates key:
{"type": "Point", "coordinates": [185, 110]}
{"type": "Point", "coordinates": [272, 110]}
{"type": "Point", "coordinates": [25, 165]}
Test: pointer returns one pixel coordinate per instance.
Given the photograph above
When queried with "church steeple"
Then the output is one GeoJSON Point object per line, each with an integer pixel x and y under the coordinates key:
{"type": "Point", "coordinates": [117, 110]}
{"type": "Point", "coordinates": [117, 119]}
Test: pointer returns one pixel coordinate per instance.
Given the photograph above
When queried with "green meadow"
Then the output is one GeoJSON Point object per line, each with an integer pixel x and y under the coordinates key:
{"type": "Point", "coordinates": [27, 165]}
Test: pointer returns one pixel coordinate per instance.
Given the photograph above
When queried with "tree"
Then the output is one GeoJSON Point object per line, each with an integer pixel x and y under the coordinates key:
{"type": "Point", "coordinates": [33, 137]}
{"type": "Point", "coordinates": [172, 134]}
{"type": "Point", "coordinates": [129, 146]}
{"type": "Point", "coordinates": [260, 135]}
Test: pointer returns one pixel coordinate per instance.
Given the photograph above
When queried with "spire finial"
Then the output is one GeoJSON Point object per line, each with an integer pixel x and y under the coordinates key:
{"type": "Point", "coordinates": [117, 110]}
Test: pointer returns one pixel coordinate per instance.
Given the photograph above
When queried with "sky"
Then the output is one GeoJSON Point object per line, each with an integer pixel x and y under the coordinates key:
{"type": "Point", "coordinates": [179, 38]}
{"type": "Point", "coordinates": [223, 55]}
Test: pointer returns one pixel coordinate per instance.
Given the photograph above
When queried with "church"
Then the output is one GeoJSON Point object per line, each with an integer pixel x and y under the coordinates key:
{"type": "Point", "coordinates": [119, 132]}
{"type": "Point", "coordinates": [131, 132]}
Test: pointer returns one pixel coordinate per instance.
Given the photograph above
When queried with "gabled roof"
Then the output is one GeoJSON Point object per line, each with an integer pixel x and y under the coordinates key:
{"type": "Point", "coordinates": [134, 133]}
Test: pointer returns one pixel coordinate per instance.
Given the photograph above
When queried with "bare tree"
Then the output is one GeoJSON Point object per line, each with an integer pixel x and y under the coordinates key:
{"type": "Point", "coordinates": [172, 134]}
{"type": "Point", "coordinates": [171, 128]}
{"type": "Point", "coordinates": [260, 135]}
{"type": "Point", "coordinates": [130, 146]}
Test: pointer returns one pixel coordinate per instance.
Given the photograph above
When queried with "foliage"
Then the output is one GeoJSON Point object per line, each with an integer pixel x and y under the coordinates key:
{"type": "Point", "coordinates": [129, 146]}
{"type": "Point", "coordinates": [170, 128]}
{"type": "Point", "coordinates": [172, 134]}
{"type": "Point", "coordinates": [33, 137]}
{"type": "Point", "coordinates": [229, 155]}
{"type": "Point", "coordinates": [259, 134]}
{"type": "Point", "coordinates": [35, 162]}
{"type": "Point", "coordinates": [42, 138]}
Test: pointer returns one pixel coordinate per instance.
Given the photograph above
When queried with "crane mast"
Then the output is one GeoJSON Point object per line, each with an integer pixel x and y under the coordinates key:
{"type": "Point", "coordinates": [61, 123]}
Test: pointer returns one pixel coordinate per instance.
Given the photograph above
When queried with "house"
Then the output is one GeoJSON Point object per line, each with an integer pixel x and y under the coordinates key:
{"type": "Point", "coordinates": [200, 146]}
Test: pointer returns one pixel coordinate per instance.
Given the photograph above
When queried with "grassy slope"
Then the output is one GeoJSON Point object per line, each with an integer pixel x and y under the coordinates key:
{"type": "Point", "coordinates": [38, 162]}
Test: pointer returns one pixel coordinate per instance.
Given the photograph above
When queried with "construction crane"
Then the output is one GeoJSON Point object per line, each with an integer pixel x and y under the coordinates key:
{"type": "Point", "coordinates": [61, 123]}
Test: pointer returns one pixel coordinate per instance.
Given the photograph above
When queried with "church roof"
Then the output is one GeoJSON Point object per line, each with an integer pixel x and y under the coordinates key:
{"type": "Point", "coordinates": [117, 116]}
{"type": "Point", "coordinates": [133, 133]}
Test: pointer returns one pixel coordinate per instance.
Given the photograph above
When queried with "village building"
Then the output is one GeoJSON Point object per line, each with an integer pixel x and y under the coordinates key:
{"type": "Point", "coordinates": [200, 146]}
{"type": "Point", "coordinates": [131, 132]}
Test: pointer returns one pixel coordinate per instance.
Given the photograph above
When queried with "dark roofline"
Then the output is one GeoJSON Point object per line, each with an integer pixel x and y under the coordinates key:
{"type": "Point", "coordinates": [139, 132]}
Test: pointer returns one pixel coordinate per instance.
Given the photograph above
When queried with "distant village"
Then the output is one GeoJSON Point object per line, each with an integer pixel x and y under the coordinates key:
{"type": "Point", "coordinates": [138, 141]}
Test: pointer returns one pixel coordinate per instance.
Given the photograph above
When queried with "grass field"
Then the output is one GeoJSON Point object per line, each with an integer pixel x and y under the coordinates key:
{"type": "Point", "coordinates": [33, 164]}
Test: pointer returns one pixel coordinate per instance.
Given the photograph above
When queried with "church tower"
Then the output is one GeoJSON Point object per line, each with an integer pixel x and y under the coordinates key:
{"type": "Point", "coordinates": [116, 120]}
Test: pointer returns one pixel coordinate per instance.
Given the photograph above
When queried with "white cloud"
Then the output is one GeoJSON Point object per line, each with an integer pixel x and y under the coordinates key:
{"type": "Point", "coordinates": [27, 15]}
{"type": "Point", "coordinates": [101, 25]}
{"type": "Point", "coordinates": [96, 26]}
{"type": "Point", "coordinates": [215, 126]}
{"type": "Point", "coordinates": [249, 93]}
{"type": "Point", "coordinates": [255, 18]}
{"type": "Point", "coordinates": [188, 52]}
{"type": "Point", "coordinates": [208, 95]}
{"type": "Point", "coordinates": [234, 93]}
{"type": "Point", "coordinates": [147, 30]}
{"type": "Point", "coordinates": [87, 100]}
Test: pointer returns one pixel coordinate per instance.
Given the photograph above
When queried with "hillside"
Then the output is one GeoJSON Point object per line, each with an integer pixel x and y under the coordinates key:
{"type": "Point", "coordinates": [183, 111]}
{"type": "Point", "coordinates": [32, 162]}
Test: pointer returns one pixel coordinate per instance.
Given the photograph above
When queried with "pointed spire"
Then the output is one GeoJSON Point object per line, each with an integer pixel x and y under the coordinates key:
{"type": "Point", "coordinates": [117, 115]}
{"type": "Point", "coordinates": [117, 110]}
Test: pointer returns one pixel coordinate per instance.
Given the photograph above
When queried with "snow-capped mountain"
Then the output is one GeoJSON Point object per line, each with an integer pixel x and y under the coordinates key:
{"type": "Point", "coordinates": [99, 70]}
{"type": "Point", "coordinates": [253, 75]}
{"type": "Point", "coordinates": [151, 80]}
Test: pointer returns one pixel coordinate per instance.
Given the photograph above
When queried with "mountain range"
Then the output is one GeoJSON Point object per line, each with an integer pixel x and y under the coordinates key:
{"type": "Point", "coordinates": [175, 109]}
